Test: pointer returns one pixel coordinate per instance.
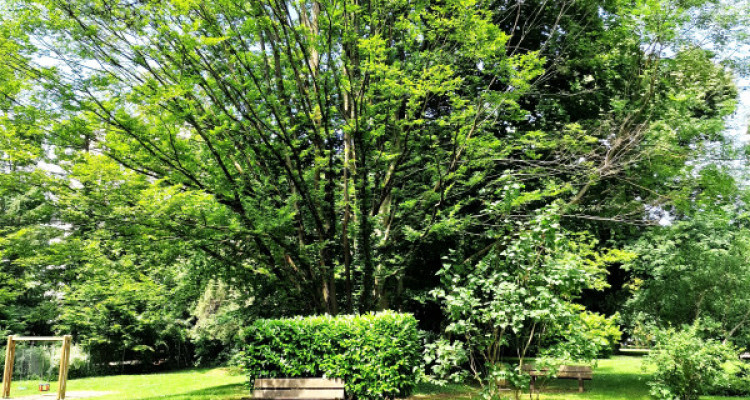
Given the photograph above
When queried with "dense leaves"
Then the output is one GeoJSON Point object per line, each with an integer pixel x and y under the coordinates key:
{"type": "Point", "coordinates": [169, 166]}
{"type": "Point", "coordinates": [686, 365]}
{"type": "Point", "coordinates": [378, 356]}
{"type": "Point", "coordinates": [519, 301]}
{"type": "Point", "coordinates": [703, 262]}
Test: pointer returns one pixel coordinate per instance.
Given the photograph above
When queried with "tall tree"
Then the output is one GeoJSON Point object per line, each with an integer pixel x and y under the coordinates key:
{"type": "Point", "coordinates": [320, 128]}
{"type": "Point", "coordinates": [327, 154]}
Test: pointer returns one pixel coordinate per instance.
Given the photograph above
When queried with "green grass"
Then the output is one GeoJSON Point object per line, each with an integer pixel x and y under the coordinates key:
{"type": "Point", "coordinates": [618, 378]}
{"type": "Point", "coordinates": [195, 384]}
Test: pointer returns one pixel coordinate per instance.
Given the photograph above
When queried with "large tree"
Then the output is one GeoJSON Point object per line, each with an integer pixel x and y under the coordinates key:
{"type": "Point", "coordinates": [327, 154]}
{"type": "Point", "coordinates": [323, 133]}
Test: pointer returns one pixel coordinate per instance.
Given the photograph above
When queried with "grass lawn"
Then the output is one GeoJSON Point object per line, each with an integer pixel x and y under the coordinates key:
{"type": "Point", "coordinates": [195, 384]}
{"type": "Point", "coordinates": [619, 378]}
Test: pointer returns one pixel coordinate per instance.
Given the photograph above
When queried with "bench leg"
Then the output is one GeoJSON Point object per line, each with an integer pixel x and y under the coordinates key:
{"type": "Point", "coordinates": [580, 385]}
{"type": "Point", "coordinates": [533, 382]}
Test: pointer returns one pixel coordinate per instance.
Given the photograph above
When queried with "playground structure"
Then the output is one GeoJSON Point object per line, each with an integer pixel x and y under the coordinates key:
{"type": "Point", "coordinates": [10, 354]}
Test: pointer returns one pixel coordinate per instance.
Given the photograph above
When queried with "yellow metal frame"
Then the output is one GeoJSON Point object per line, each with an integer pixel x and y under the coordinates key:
{"type": "Point", "coordinates": [10, 355]}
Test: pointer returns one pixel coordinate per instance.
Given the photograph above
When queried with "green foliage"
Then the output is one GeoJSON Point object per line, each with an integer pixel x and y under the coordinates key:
{"type": "Point", "coordinates": [603, 333]}
{"type": "Point", "coordinates": [734, 380]}
{"type": "Point", "coordinates": [445, 361]}
{"type": "Point", "coordinates": [685, 364]}
{"type": "Point", "coordinates": [243, 125]}
{"type": "Point", "coordinates": [318, 156]}
{"type": "Point", "coordinates": [641, 330]}
{"type": "Point", "coordinates": [42, 362]}
{"type": "Point", "coordinates": [217, 324]}
{"type": "Point", "coordinates": [34, 362]}
{"type": "Point", "coordinates": [521, 294]}
{"type": "Point", "coordinates": [703, 262]}
{"type": "Point", "coordinates": [120, 313]}
{"type": "Point", "coordinates": [253, 135]}
{"type": "Point", "coordinates": [377, 355]}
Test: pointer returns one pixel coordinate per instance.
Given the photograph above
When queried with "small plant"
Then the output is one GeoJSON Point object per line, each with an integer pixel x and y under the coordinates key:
{"type": "Point", "coordinates": [686, 365]}
{"type": "Point", "coordinates": [640, 330]}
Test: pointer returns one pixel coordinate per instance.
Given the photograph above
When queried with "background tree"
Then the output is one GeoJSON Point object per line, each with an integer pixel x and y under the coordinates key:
{"type": "Point", "coordinates": [27, 212]}
{"type": "Point", "coordinates": [703, 262]}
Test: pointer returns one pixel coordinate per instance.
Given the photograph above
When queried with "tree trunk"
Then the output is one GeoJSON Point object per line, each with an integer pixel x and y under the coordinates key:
{"type": "Point", "coordinates": [365, 230]}
{"type": "Point", "coordinates": [345, 246]}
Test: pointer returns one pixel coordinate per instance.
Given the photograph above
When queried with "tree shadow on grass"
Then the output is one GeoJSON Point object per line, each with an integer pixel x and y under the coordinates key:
{"type": "Point", "coordinates": [232, 391]}
{"type": "Point", "coordinates": [615, 386]}
{"type": "Point", "coordinates": [426, 391]}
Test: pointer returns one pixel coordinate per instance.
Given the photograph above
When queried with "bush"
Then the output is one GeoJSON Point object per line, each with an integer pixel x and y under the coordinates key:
{"type": "Point", "coordinates": [377, 355]}
{"type": "Point", "coordinates": [686, 365]}
{"type": "Point", "coordinates": [603, 331]}
{"type": "Point", "coordinates": [640, 330]}
{"type": "Point", "coordinates": [734, 382]}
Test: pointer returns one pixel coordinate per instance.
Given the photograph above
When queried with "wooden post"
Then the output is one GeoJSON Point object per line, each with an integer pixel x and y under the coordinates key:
{"type": "Point", "coordinates": [10, 355]}
{"type": "Point", "coordinates": [580, 385]}
{"type": "Point", "coordinates": [62, 381]}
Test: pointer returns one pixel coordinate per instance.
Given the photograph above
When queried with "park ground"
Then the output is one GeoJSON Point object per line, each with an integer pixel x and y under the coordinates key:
{"type": "Point", "coordinates": [617, 378]}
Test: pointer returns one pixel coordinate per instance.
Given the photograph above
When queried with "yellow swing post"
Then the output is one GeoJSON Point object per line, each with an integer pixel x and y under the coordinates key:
{"type": "Point", "coordinates": [10, 355]}
{"type": "Point", "coordinates": [62, 381]}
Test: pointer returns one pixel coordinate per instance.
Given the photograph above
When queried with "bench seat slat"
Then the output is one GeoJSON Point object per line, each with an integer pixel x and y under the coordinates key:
{"type": "Point", "coordinates": [575, 368]}
{"type": "Point", "coordinates": [308, 394]}
{"type": "Point", "coordinates": [562, 375]}
{"type": "Point", "coordinates": [564, 372]}
{"type": "Point", "coordinates": [575, 376]}
{"type": "Point", "coordinates": [298, 383]}
{"type": "Point", "coordinates": [577, 372]}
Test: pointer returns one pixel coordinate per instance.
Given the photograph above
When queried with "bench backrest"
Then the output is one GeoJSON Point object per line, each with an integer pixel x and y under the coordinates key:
{"type": "Point", "coordinates": [298, 388]}
{"type": "Point", "coordinates": [575, 371]}
{"type": "Point", "coordinates": [565, 371]}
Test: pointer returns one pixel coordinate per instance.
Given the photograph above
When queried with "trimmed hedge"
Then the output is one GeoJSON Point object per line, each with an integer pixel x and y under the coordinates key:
{"type": "Point", "coordinates": [377, 355]}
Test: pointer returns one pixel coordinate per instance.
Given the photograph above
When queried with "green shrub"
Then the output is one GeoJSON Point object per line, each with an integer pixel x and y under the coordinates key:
{"type": "Point", "coordinates": [607, 331]}
{"type": "Point", "coordinates": [686, 365]}
{"type": "Point", "coordinates": [377, 355]}
{"type": "Point", "coordinates": [734, 382]}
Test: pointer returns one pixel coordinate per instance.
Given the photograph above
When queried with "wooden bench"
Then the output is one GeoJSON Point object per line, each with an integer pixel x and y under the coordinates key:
{"type": "Point", "coordinates": [298, 388]}
{"type": "Point", "coordinates": [579, 372]}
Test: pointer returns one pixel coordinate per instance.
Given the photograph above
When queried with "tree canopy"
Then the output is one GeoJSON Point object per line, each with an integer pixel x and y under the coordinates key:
{"type": "Point", "coordinates": [327, 156]}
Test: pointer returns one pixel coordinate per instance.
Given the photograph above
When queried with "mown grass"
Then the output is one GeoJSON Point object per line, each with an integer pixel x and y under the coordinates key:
{"type": "Point", "coordinates": [195, 384]}
{"type": "Point", "coordinates": [618, 378]}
